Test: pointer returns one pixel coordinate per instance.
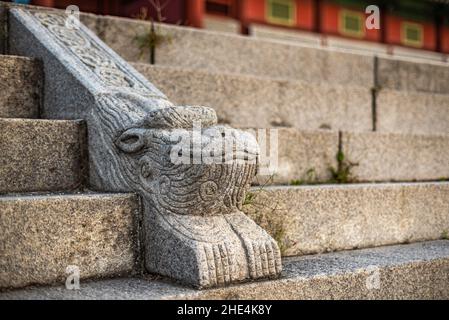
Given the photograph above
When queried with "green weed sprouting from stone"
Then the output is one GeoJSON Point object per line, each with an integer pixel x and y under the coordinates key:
{"type": "Point", "coordinates": [249, 197]}
{"type": "Point", "coordinates": [309, 178]}
{"type": "Point", "coordinates": [266, 215]}
{"type": "Point", "coordinates": [297, 182]}
{"type": "Point", "coordinates": [148, 41]}
{"type": "Point", "coordinates": [274, 225]}
{"type": "Point", "coordinates": [342, 174]}
{"type": "Point", "coordinates": [445, 235]}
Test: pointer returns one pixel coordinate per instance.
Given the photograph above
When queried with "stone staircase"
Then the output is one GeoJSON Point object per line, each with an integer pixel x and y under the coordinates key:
{"type": "Point", "coordinates": [48, 219]}
{"type": "Point", "coordinates": [388, 117]}
{"type": "Point", "coordinates": [413, 271]}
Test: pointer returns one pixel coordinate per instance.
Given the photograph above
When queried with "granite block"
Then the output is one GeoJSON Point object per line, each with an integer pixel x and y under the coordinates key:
{"type": "Point", "coordinates": [42, 155]}
{"type": "Point", "coordinates": [43, 235]}
{"type": "Point", "coordinates": [397, 157]}
{"type": "Point", "coordinates": [21, 87]}
{"type": "Point", "coordinates": [322, 218]}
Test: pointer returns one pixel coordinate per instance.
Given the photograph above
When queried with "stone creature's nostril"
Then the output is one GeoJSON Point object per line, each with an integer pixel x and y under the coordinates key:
{"type": "Point", "coordinates": [131, 140]}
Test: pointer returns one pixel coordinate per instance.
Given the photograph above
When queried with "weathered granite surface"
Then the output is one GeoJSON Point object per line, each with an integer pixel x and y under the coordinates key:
{"type": "Point", "coordinates": [216, 51]}
{"type": "Point", "coordinates": [193, 48]}
{"type": "Point", "coordinates": [42, 235]}
{"type": "Point", "coordinates": [412, 112]}
{"type": "Point", "coordinates": [20, 87]}
{"type": "Point", "coordinates": [413, 76]}
{"type": "Point", "coordinates": [4, 8]}
{"type": "Point", "coordinates": [120, 34]}
{"type": "Point", "coordinates": [413, 271]}
{"type": "Point", "coordinates": [249, 101]}
{"type": "Point", "coordinates": [42, 155]}
{"type": "Point", "coordinates": [314, 219]}
{"type": "Point", "coordinates": [193, 227]}
{"type": "Point", "coordinates": [302, 157]}
{"type": "Point", "coordinates": [397, 157]}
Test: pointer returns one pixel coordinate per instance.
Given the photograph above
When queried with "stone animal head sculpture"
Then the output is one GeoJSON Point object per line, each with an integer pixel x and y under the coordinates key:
{"type": "Point", "coordinates": [192, 181]}
{"type": "Point", "coordinates": [194, 228]}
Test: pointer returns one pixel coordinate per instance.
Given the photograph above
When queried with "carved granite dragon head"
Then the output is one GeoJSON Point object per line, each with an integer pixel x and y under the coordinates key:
{"type": "Point", "coordinates": [187, 165]}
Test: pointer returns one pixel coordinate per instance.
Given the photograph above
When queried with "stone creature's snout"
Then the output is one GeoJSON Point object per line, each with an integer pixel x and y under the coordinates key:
{"type": "Point", "coordinates": [233, 145]}
{"type": "Point", "coordinates": [193, 138]}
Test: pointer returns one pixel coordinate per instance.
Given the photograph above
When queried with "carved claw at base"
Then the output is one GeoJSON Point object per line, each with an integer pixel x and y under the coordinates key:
{"type": "Point", "coordinates": [219, 265]}
{"type": "Point", "coordinates": [263, 254]}
{"type": "Point", "coordinates": [235, 250]}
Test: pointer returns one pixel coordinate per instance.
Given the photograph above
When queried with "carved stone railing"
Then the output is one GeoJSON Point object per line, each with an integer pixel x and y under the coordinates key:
{"type": "Point", "coordinates": [193, 227]}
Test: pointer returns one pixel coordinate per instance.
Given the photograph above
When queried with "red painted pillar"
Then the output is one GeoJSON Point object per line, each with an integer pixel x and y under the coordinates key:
{"type": "Point", "coordinates": [242, 6]}
{"type": "Point", "coordinates": [317, 16]}
{"type": "Point", "coordinates": [44, 3]}
{"type": "Point", "coordinates": [383, 23]}
{"type": "Point", "coordinates": [195, 13]}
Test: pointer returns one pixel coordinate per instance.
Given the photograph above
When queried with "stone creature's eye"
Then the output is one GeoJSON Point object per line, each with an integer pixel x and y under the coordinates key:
{"type": "Point", "coordinates": [131, 140]}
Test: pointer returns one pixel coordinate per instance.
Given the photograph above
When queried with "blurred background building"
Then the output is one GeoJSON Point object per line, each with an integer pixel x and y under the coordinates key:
{"type": "Point", "coordinates": [404, 24]}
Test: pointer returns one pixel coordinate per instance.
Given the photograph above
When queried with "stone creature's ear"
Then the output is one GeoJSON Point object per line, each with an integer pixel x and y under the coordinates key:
{"type": "Point", "coordinates": [131, 141]}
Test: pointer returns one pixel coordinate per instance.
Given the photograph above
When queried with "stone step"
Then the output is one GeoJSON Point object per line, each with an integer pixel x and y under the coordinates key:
{"type": "Point", "coordinates": [216, 51]}
{"type": "Point", "coordinates": [41, 155]}
{"type": "Point", "coordinates": [397, 110]}
{"type": "Point", "coordinates": [412, 112]}
{"type": "Point", "coordinates": [413, 76]}
{"type": "Point", "coordinates": [396, 157]}
{"type": "Point", "coordinates": [248, 101]}
{"type": "Point", "coordinates": [251, 101]}
{"type": "Point", "coordinates": [186, 47]}
{"type": "Point", "coordinates": [20, 86]}
{"type": "Point", "coordinates": [301, 157]}
{"type": "Point", "coordinates": [305, 157]}
{"type": "Point", "coordinates": [412, 271]}
{"type": "Point", "coordinates": [315, 219]}
{"type": "Point", "coordinates": [42, 235]}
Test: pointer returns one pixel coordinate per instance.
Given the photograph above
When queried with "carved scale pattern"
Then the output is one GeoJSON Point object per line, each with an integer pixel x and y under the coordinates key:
{"type": "Point", "coordinates": [92, 56]}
